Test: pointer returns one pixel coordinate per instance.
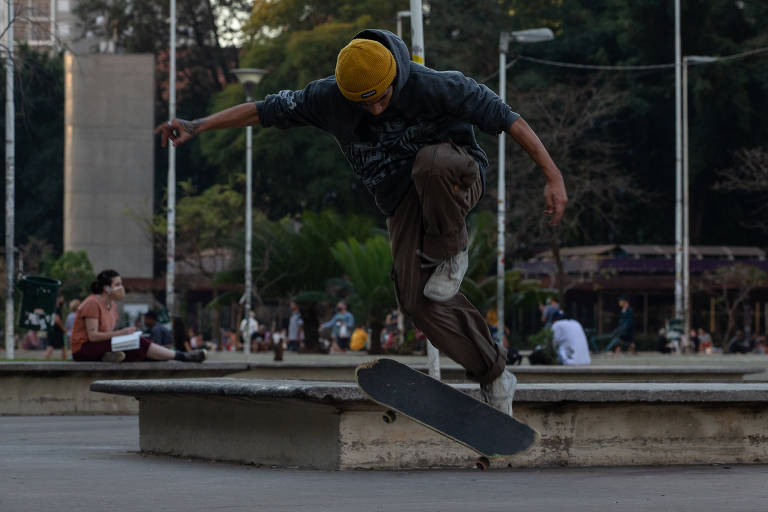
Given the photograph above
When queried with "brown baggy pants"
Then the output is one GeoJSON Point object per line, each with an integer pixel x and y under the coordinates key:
{"type": "Point", "coordinates": [430, 220]}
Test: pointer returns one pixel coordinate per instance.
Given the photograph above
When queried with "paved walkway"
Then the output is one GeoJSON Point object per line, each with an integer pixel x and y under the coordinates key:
{"type": "Point", "coordinates": [91, 464]}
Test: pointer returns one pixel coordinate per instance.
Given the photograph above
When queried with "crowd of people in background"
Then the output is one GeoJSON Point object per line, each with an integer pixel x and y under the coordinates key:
{"type": "Point", "coordinates": [339, 333]}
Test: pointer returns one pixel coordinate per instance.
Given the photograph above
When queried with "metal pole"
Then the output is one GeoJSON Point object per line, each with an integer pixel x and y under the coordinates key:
{"type": "Point", "coordinates": [502, 192]}
{"type": "Point", "coordinates": [417, 55]}
{"type": "Point", "coordinates": [170, 271]}
{"type": "Point", "coordinates": [417, 32]}
{"type": "Point", "coordinates": [686, 220]}
{"type": "Point", "coordinates": [248, 233]}
{"type": "Point", "coordinates": [678, 171]}
{"type": "Point", "coordinates": [10, 185]}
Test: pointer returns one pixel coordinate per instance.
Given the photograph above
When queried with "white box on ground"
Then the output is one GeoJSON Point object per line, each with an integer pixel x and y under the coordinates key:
{"type": "Point", "coordinates": [125, 342]}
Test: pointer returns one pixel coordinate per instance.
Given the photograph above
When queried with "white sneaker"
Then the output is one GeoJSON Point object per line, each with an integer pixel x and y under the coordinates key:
{"type": "Point", "coordinates": [445, 281]}
{"type": "Point", "coordinates": [500, 392]}
{"type": "Point", "coordinates": [113, 357]}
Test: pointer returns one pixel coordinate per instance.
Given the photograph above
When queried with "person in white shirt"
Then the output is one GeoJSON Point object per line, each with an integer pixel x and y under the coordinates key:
{"type": "Point", "coordinates": [569, 341]}
{"type": "Point", "coordinates": [248, 326]}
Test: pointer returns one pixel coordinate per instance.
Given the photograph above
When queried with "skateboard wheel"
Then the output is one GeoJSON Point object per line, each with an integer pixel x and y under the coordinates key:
{"type": "Point", "coordinates": [389, 417]}
{"type": "Point", "coordinates": [482, 463]}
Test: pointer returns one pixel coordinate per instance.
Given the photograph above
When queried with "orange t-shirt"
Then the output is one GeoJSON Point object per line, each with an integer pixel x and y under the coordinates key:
{"type": "Point", "coordinates": [92, 307]}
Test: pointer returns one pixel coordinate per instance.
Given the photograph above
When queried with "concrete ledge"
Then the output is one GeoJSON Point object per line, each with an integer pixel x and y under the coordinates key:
{"type": "Point", "coordinates": [32, 388]}
{"type": "Point", "coordinates": [331, 425]}
{"type": "Point", "coordinates": [41, 388]}
{"type": "Point", "coordinates": [525, 374]}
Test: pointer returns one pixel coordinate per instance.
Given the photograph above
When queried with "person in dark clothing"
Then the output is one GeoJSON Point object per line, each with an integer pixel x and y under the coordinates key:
{"type": "Point", "coordinates": [157, 331]}
{"type": "Point", "coordinates": [739, 344]}
{"type": "Point", "coordinates": [56, 333]}
{"type": "Point", "coordinates": [625, 332]}
{"type": "Point", "coordinates": [407, 132]}
{"type": "Point", "coordinates": [180, 335]}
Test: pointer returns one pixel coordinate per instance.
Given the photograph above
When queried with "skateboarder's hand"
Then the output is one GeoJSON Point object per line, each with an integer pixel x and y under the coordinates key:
{"type": "Point", "coordinates": [555, 198]}
{"type": "Point", "coordinates": [178, 131]}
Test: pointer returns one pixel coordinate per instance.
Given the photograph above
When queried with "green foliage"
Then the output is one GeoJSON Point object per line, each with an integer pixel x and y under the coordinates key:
{"type": "Point", "coordinates": [479, 283]}
{"type": "Point", "coordinates": [74, 270]}
{"type": "Point", "coordinates": [542, 341]}
{"type": "Point", "coordinates": [295, 256]}
{"type": "Point", "coordinates": [366, 267]}
{"type": "Point", "coordinates": [206, 221]}
{"type": "Point", "coordinates": [281, 159]}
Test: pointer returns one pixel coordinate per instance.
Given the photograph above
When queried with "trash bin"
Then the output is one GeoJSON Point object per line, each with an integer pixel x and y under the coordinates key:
{"type": "Point", "coordinates": [38, 302]}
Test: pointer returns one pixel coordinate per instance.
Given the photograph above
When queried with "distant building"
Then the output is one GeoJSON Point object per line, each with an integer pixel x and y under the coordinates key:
{"type": "Point", "coordinates": [598, 275]}
{"type": "Point", "coordinates": [44, 23]}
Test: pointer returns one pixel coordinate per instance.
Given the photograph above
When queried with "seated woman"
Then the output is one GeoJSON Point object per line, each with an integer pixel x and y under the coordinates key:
{"type": "Point", "coordinates": [95, 322]}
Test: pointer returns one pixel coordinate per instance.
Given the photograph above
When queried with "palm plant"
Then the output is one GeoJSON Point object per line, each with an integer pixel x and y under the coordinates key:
{"type": "Point", "coordinates": [292, 258]}
{"type": "Point", "coordinates": [366, 268]}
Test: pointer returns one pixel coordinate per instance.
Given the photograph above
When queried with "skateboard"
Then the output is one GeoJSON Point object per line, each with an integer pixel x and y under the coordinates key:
{"type": "Point", "coordinates": [444, 409]}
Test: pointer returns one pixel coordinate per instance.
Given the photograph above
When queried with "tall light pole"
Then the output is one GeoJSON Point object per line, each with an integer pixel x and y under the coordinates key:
{"type": "Point", "coordinates": [10, 179]}
{"type": "Point", "coordinates": [170, 253]}
{"type": "Point", "coordinates": [686, 280]}
{"type": "Point", "coordinates": [249, 77]}
{"type": "Point", "coordinates": [417, 55]}
{"type": "Point", "coordinates": [534, 35]}
{"type": "Point", "coordinates": [678, 171]}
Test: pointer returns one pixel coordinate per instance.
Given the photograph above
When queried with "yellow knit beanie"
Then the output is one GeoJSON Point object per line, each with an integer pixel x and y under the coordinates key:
{"type": "Point", "coordinates": [364, 69]}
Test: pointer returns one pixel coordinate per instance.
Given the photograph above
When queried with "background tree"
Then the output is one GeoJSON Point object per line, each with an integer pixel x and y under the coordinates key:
{"type": "Point", "coordinates": [573, 122]}
{"type": "Point", "coordinates": [75, 271]}
{"type": "Point", "coordinates": [733, 284]}
{"type": "Point", "coordinates": [480, 284]}
{"type": "Point", "coordinates": [39, 100]}
{"type": "Point", "coordinates": [749, 179]}
{"type": "Point", "coordinates": [206, 226]}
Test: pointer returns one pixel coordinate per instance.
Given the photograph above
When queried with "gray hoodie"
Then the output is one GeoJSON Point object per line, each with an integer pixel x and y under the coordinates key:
{"type": "Point", "coordinates": [427, 107]}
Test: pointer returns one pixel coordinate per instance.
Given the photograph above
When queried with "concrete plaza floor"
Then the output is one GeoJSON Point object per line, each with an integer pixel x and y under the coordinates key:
{"type": "Point", "coordinates": [90, 464]}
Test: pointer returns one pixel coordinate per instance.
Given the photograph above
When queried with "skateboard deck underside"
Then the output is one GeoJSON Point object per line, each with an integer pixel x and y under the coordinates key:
{"type": "Point", "coordinates": [444, 409]}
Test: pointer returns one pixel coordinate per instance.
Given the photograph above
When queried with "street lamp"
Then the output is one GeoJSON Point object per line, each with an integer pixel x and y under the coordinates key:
{"type": "Point", "coordinates": [534, 35]}
{"type": "Point", "coordinates": [249, 77]}
{"type": "Point", "coordinates": [682, 210]}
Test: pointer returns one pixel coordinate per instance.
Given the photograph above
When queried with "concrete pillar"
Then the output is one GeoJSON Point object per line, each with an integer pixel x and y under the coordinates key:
{"type": "Point", "coordinates": [109, 159]}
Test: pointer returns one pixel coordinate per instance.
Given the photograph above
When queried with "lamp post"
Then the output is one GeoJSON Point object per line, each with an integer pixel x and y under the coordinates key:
{"type": "Point", "coordinates": [249, 77]}
{"type": "Point", "coordinates": [534, 35]}
{"type": "Point", "coordinates": [10, 180]}
{"type": "Point", "coordinates": [685, 249]}
{"type": "Point", "coordinates": [170, 254]}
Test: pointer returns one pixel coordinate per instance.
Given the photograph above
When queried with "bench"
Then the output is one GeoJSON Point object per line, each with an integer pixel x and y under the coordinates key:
{"type": "Point", "coordinates": [331, 425]}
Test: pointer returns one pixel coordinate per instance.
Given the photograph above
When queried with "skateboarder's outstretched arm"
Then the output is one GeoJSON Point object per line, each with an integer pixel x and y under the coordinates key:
{"type": "Point", "coordinates": [554, 191]}
{"type": "Point", "coordinates": [180, 130]}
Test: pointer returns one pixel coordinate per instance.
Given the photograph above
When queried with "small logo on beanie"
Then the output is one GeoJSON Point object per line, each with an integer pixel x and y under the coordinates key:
{"type": "Point", "coordinates": [368, 94]}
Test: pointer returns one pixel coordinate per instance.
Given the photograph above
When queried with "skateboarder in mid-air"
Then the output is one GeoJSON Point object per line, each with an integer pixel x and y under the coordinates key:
{"type": "Point", "coordinates": [407, 131]}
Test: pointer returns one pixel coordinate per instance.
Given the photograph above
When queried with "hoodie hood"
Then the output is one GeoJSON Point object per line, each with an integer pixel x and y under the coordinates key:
{"type": "Point", "coordinates": [395, 45]}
